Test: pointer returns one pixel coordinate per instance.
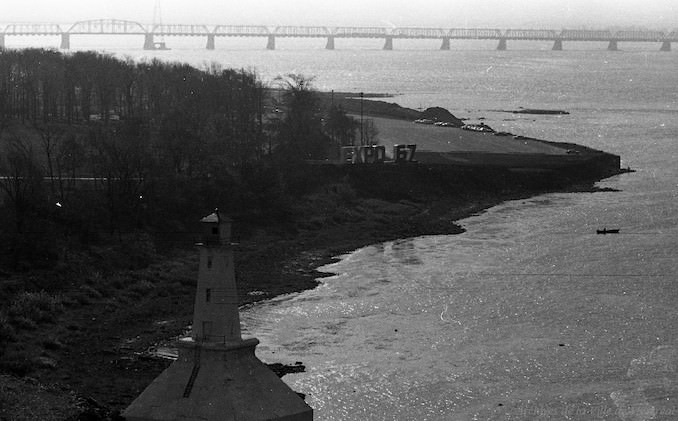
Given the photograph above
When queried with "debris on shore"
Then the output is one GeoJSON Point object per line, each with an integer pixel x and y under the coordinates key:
{"type": "Point", "coordinates": [538, 111]}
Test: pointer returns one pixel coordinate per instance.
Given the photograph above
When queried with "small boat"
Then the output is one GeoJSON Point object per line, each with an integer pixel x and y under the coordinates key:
{"type": "Point", "coordinates": [608, 231]}
{"type": "Point", "coordinates": [160, 46]}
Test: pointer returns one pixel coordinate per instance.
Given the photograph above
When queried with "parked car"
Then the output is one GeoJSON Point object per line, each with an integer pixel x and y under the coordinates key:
{"type": "Point", "coordinates": [424, 121]}
{"type": "Point", "coordinates": [478, 128]}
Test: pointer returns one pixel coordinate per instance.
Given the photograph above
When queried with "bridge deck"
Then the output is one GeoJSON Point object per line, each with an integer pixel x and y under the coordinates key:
{"type": "Point", "coordinates": [117, 26]}
{"type": "Point", "coordinates": [148, 31]}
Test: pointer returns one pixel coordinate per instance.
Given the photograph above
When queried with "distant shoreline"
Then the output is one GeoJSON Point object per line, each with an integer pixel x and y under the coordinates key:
{"type": "Point", "coordinates": [376, 106]}
{"type": "Point", "coordinates": [351, 103]}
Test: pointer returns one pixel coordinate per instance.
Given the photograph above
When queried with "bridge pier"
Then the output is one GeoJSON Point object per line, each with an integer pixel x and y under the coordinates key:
{"type": "Point", "coordinates": [65, 41]}
{"type": "Point", "coordinates": [2, 40]}
{"type": "Point", "coordinates": [557, 45]}
{"type": "Point", "coordinates": [666, 46]}
{"type": "Point", "coordinates": [446, 44]}
{"type": "Point", "coordinates": [210, 42]}
{"type": "Point", "coordinates": [149, 44]}
{"type": "Point", "coordinates": [270, 45]}
{"type": "Point", "coordinates": [502, 44]}
{"type": "Point", "coordinates": [388, 44]}
{"type": "Point", "coordinates": [612, 46]}
{"type": "Point", "coordinates": [330, 43]}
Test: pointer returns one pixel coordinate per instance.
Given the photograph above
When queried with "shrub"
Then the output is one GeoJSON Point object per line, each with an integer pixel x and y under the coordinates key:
{"type": "Point", "coordinates": [135, 251]}
{"type": "Point", "coordinates": [35, 307]}
{"type": "Point", "coordinates": [81, 299]}
{"type": "Point", "coordinates": [141, 287]}
{"type": "Point", "coordinates": [17, 362]}
{"type": "Point", "coordinates": [345, 193]}
{"type": "Point", "coordinates": [24, 323]}
{"type": "Point", "coordinates": [90, 292]}
{"type": "Point", "coordinates": [118, 282]}
{"type": "Point", "coordinates": [52, 343]}
{"type": "Point", "coordinates": [7, 334]}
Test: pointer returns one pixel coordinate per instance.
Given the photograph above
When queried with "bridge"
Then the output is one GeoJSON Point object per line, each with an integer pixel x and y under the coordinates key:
{"type": "Point", "coordinates": [112, 27]}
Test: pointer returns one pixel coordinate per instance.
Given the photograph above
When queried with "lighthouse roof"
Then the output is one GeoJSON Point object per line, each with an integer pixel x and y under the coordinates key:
{"type": "Point", "coordinates": [215, 217]}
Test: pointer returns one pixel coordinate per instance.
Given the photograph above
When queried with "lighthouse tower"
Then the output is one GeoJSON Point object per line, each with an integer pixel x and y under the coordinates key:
{"type": "Point", "coordinates": [217, 376]}
{"type": "Point", "coordinates": [215, 316]}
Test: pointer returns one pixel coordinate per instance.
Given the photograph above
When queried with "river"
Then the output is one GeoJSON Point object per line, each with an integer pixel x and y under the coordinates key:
{"type": "Point", "coordinates": [528, 314]}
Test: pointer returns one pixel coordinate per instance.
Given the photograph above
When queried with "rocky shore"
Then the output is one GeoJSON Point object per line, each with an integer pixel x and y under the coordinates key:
{"type": "Point", "coordinates": [93, 359]}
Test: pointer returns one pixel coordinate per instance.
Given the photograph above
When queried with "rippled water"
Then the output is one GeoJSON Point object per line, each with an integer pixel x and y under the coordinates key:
{"type": "Point", "coordinates": [528, 314]}
{"type": "Point", "coordinates": [518, 314]}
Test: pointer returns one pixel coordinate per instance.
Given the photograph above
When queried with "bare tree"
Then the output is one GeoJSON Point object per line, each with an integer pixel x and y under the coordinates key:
{"type": "Point", "coordinates": [300, 134]}
{"type": "Point", "coordinates": [121, 167]}
{"type": "Point", "coordinates": [341, 127]}
{"type": "Point", "coordinates": [51, 136]}
{"type": "Point", "coordinates": [370, 132]}
{"type": "Point", "coordinates": [21, 180]}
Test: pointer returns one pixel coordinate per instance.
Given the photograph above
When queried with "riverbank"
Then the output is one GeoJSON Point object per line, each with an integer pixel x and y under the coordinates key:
{"type": "Point", "coordinates": [94, 353]}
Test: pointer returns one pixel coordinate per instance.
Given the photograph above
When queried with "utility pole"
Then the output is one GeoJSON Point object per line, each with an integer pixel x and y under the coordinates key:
{"type": "Point", "coordinates": [362, 141]}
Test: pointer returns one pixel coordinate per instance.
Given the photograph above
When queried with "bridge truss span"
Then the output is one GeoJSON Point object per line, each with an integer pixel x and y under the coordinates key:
{"type": "Point", "coordinates": [423, 33]}
{"type": "Point", "coordinates": [180, 30]}
{"type": "Point", "coordinates": [241, 31]}
{"type": "Point", "coordinates": [477, 33]}
{"type": "Point", "coordinates": [360, 32]}
{"type": "Point", "coordinates": [531, 34]}
{"type": "Point", "coordinates": [33, 29]}
{"type": "Point", "coordinates": [107, 27]}
{"type": "Point", "coordinates": [655, 36]}
{"type": "Point", "coordinates": [302, 31]}
{"type": "Point", "coordinates": [585, 35]}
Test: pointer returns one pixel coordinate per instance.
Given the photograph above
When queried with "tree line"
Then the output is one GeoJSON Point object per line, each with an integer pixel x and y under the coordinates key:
{"type": "Point", "coordinates": [93, 146]}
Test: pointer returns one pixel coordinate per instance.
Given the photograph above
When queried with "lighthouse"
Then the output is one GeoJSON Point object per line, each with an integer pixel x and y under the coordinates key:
{"type": "Point", "coordinates": [215, 315]}
{"type": "Point", "coordinates": [217, 375]}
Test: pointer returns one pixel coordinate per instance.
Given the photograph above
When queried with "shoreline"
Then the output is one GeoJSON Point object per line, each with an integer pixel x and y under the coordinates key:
{"type": "Point", "coordinates": [112, 366]}
{"type": "Point", "coordinates": [100, 355]}
{"type": "Point", "coordinates": [293, 272]}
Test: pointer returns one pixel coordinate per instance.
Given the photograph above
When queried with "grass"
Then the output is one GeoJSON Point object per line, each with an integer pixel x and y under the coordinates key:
{"type": "Point", "coordinates": [46, 403]}
{"type": "Point", "coordinates": [35, 307]}
{"type": "Point", "coordinates": [24, 314]}
{"type": "Point", "coordinates": [7, 333]}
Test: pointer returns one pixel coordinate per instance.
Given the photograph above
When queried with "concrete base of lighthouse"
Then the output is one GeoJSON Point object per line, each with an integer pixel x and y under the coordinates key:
{"type": "Point", "coordinates": [212, 381]}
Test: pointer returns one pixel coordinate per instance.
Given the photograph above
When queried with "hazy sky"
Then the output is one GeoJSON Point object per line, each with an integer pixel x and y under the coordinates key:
{"type": "Point", "coordinates": [656, 14]}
